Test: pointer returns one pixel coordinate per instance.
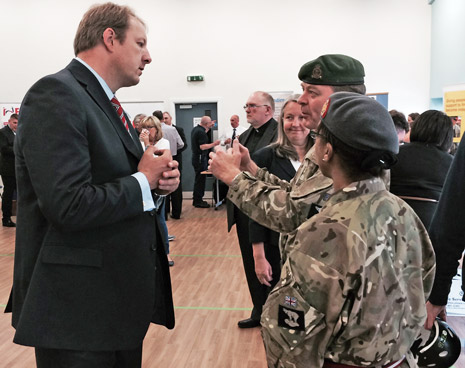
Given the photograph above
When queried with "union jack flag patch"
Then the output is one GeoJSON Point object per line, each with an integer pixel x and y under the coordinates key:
{"type": "Point", "coordinates": [290, 301]}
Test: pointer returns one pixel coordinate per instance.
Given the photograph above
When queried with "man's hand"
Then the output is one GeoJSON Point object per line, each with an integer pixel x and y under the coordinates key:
{"type": "Point", "coordinates": [246, 162]}
{"type": "Point", "coordinates": [161, 172]}
{"type": "Point", "coordinates": [432, 312]}
{"type": "Point", "coordinates": [262, 266]}
{"type": "Point", "coordinates": [225, 166]}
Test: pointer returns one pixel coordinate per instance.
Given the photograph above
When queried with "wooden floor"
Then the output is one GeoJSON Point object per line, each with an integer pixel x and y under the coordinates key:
{"type": "Point", "coordinates": [210, 296]}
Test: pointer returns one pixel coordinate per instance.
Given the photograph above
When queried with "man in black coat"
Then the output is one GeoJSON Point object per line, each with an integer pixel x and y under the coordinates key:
{"type": "Point", "coordinates": [90, 270]}
{"type": "Point", "coordinates": [7, 168]}
{"type": "Point", "coordinates": [176, 197]}
{"type": "Point", "coordinates": [447, 232]}
{"type": "Point", "coordinates": [262, 131]}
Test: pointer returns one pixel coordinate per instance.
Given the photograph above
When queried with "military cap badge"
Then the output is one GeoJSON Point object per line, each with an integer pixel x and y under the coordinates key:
{"type": "Point", "coordinates": [317, 73]}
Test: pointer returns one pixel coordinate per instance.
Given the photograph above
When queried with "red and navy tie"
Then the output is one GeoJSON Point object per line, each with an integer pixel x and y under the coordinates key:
{"type": "Point", "coordinates": [120, 112]}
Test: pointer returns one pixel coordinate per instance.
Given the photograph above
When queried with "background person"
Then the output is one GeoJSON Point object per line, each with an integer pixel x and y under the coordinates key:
{"type": "Point", "coordinates": [201, 146]}
{"type": "Point", "coordinates": [282, 159]}
{"type": "Point", "coordinates": [447, 231]}
{"type": "Point", "coordinates": [262, 131]}
{"type": "Point", "coordinates": [400, 122]}
{"type": "Point", "coordinates": [7, 168]}
{"type": "Point", "coordinates": [152, 135]}
{"type": "Point", "coordinates": [175, 198]}
{"type": "Point", "coordinates": [345, 296]}
{"type": "Point", "coordinates": [136, 122]}
{"type": "Point", "coordinates": [419, 174]}
{"type": "Point", "coordinates": [235, 131]}
{"type": "Point", "coordinates": [89, 277]}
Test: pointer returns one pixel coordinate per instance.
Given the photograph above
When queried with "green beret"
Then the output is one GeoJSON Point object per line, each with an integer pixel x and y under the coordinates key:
{"type": "Point", "coordinates": [360, 122]}
{"type": "Point", "coordinates": [333, 70]}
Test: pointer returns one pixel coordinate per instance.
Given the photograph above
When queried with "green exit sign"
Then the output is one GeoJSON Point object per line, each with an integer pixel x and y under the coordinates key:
{"type": "Point", "coordinates": [195, 78]}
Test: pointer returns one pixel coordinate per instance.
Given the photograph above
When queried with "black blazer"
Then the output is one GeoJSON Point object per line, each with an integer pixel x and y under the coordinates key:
{"type": "Point", "coordinates": [268, 137]}
{"type": "Point", "coordinates": [178, 156]}
{"type": "Point", "coordinates": [7, 161]}
{"type": "Point", "coordinates": [283, 169]}
{"type": "Point", "coordinates": [90, 267]}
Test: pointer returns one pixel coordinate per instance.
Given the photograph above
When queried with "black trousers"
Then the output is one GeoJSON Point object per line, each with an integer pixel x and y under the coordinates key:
{"type": "Point", "coordinates": [200, 179]}
{"type": "Point", "coordinates": [258, 292]}
{"type": "Point", "coordinates": [59, 358]}
{"type": "Point", "coordinates": [9, 187]}
{"type": "Point", "coordinates": [174, 202]}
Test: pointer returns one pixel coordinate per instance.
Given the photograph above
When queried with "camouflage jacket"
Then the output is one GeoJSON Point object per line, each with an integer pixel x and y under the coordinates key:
{"type": "Point", "coordinates": [277, 204]}
{"type": "Point", "coordinates": [354, 285]}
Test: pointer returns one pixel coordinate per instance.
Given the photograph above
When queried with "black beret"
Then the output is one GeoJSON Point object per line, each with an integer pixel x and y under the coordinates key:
{"type": "Point", "coordinates": [333, 70]}
{"type": "Point", "coordinates": [360, 122]}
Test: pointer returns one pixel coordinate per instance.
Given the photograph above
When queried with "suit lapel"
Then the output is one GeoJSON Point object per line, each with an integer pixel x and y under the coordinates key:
{"type": "Point", "coordinates": [286, 166]}
{"type": "Point", "coordinates": [269, 135]}
{"type": "Point", "coordinates": [245, 136]}
{"type": "Point", "coordinates": [95, 90]}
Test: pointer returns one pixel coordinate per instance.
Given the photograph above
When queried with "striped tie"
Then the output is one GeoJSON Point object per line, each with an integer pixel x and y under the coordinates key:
{"type": "Point", "coordinates": [120, 112]}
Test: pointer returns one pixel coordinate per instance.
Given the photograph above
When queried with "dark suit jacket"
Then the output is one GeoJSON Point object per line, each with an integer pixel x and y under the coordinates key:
{"type": "Point", "coordinates": [7, 161]}
{"type": "Point", "coordinates": [268, 137]}
{"type": "Point", "coordinates": [178, 156]}
{"type": "Point", "coordinates": [283, 169]}
{"type": "Point", "coordinates": [90, 268]}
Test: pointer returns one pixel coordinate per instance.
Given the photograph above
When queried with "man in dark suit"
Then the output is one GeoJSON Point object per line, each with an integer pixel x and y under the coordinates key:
{"type": "Point", "coordinates": [91, 272]}
{"type": "Point", "coordinates": [7, 168]}
{"type": "Point", "coordinates": [176, 197]}
{"type": "Point", "coordinates": [262, 131]}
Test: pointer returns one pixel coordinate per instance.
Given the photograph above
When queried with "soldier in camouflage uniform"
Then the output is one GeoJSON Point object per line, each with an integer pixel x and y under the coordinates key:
{"type": "Point", "coordinates": [357, 275]}
{"type": "Point", "coordinates": [278, 204]}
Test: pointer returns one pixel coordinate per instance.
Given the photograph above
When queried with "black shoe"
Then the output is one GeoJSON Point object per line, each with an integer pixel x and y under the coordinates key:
{"type": "Point", "coordinates": [202, 204]}
{"type": "Point", "coordinates": [175, 217]}
{"type": "Point", "coordinates": [8, 223]}
{"type": "Point", "coordinates": [248, 323]}
{"type": "Point", "coordinates": [171, 263]}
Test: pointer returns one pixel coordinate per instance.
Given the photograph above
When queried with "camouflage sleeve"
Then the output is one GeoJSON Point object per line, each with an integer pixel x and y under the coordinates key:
{"type": "Point", "coordinates": [264, 175]}
{"type": "Point", "coordinates": [278, 205]}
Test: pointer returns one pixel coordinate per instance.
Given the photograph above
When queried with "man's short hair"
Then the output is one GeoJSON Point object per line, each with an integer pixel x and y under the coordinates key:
{"type": "Point", "coordinates": [400, 122]}
{"type": "Point", "coordinates": [158, 114]}
{"type": "Point", "coordinates": [356, 88]}
{"type": "Point", "coordinates": [97, 19]}
{"type": "Point", "coordinates": [14, 116]}
{"type": "Point", "coordinates": [268, 98]}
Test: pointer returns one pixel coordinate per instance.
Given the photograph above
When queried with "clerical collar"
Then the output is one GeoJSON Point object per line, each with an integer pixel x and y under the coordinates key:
{"type": "Point", "coordinates": [262, 128]}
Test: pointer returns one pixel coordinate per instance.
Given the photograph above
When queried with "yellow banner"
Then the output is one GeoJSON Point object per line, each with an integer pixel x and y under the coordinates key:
{"type": "Point", "coordinates": [454, 105]}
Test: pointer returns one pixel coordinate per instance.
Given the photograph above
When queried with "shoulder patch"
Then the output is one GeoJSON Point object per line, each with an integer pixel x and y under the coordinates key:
{"type": "Point", "coordinates": [291, 318]}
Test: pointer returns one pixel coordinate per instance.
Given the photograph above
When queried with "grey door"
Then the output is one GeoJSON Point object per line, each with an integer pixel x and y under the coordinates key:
{"type": "Point", "coordinates": [185, 114]}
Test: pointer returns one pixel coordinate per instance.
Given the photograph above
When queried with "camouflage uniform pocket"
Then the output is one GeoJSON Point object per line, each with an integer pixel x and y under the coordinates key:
{"type": "Point", "coordinates": [288, 321]}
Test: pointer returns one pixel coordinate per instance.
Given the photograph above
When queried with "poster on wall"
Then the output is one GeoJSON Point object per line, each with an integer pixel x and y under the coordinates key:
{"type": "Point", "coordinates": [279, 99]}
{"type": "Point", "coordinates": [8, 108]}
{"type": "Point", "coordinates": [454, 106]}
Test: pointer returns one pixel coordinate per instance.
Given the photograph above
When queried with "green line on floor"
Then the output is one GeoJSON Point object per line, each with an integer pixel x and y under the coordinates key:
{"type": "Point", "coordinates": [214, 308]}
{"type": "Point", "coordinates": [7, 255]}
{"type": "Point", "coordinates": [207, 255]}
{"type": "Point", "coordinates": [2, 305]}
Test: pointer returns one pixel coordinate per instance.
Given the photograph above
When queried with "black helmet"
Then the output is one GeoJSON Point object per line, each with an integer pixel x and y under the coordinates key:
{"type": "Point", "coordinates": [441, 349]}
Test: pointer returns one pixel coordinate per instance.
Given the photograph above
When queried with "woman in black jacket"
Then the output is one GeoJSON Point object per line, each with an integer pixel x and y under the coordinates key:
{"type": "Point", "coordinates": [282, 159]}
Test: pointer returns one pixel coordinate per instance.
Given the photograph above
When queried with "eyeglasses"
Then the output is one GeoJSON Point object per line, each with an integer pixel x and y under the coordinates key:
{"type": "Point", "coordinates": [252, 106]}
{"type": "Point", "coordinates": [314, 134]}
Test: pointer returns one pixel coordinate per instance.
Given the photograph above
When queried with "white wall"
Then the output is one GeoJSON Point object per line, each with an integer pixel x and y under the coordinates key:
{"type": "Point", "coordinates": [239, 46]}
{"type": "Point", "coordinates": [447, 50]}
